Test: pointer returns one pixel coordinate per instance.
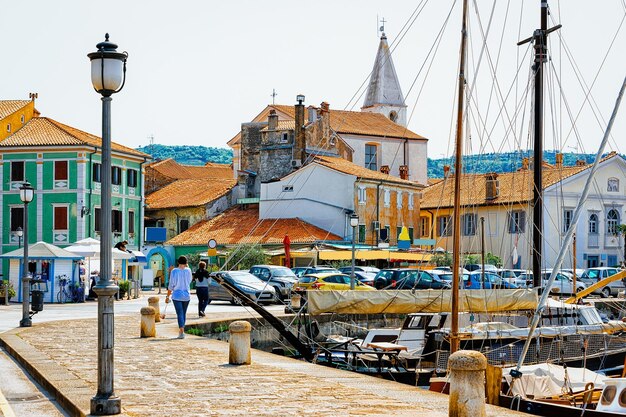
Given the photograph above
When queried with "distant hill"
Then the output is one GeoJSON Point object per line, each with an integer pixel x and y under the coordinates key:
{"type": "Point", "coordinates": [500, 162]}
{"type": "Point", "coordinates": [189, 155]}
{"type": "Point", "coordinates": [476, 164]}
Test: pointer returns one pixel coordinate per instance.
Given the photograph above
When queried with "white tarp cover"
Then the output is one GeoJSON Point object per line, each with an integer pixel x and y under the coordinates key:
{"type": "Point", "coordinates": [546, 380]}
{"type": "Point", "coordinates": [419, 301]}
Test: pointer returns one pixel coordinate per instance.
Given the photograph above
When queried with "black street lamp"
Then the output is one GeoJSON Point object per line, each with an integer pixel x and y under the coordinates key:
{"type": "Point", "coordinates": [19, 233]}
{"type": "Point", "coordinates": [354, 222]}
{"type": "Point", "coordinates": [108, 75]}
{"type": "Point", "coordinates": [26, 195]}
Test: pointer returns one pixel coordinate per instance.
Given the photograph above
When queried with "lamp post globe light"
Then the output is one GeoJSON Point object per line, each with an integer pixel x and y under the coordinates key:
{"type": "Point", "coordinates": [354, 222]}
{"type": "Point", "coordinates": [27, 193]}
{"type": "Point", "coordinates": [108, 75]}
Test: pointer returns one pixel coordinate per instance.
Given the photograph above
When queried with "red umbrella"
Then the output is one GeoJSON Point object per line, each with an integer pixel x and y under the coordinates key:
{"type": "Point", "coordinates": [287, 244]}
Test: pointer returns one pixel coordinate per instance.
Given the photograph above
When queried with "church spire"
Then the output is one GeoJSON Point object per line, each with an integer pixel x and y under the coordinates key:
{"type": "Point", "coordinates": [383, 92]}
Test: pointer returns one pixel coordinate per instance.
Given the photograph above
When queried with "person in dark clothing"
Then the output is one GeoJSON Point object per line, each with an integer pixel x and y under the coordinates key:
{"type": "Point", "coordinates": [202, 287]}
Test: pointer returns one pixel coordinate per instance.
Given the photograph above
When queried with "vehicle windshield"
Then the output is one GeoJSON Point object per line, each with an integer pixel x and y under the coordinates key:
{"type": "Point", "coordinates": [283, 272]}
{"type": "Point", "coordinates": [448, 277]}
{"type": "Point", "coordinates": [592, 273]}
{"type": "Point", "coordinates": [307, 279]}
{"type": "Point", "coordinates": [243, 277]}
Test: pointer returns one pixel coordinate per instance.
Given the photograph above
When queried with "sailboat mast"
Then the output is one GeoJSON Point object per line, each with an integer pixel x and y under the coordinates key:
{"type": "Point", "coordinates": [541, 52]}
{"type": "Point", "coordinates": [458, 166]}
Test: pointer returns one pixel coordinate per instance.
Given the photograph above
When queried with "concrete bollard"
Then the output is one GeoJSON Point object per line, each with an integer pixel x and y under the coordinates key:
{"type": "Point", "coordinates": [148, 327]}
{"type": "Point", "coordinates": [239, 343]}
{"type": "Point", "coordinates": [154, 303]}
{"type": "Point", "coordinates": [467, 384]}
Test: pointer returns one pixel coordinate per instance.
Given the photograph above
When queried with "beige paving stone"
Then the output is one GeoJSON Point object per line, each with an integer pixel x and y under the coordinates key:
{"type": "Point", "coordinates": [190, 377]}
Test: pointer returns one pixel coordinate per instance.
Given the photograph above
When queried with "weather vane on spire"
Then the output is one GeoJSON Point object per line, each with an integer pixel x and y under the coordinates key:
{"type": "Point", "coordinates": [382, 27]}
{"type": "Point", "coordinates": [274, 94]}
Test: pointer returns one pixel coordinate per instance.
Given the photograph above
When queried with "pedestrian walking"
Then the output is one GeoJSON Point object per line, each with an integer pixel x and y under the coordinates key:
{"type": "Point", "coordinates": [178, 290]}
{"type": "Point", "coordinates": [202, 287]}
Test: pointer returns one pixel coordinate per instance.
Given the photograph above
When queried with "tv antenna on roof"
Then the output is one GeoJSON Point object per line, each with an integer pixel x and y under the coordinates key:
{"type": "Point", "coordinates": [274, 94]}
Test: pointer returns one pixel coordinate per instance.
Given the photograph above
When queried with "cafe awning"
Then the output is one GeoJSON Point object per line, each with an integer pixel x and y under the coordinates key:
{"type": "Point", "coordinates": [376, 254]}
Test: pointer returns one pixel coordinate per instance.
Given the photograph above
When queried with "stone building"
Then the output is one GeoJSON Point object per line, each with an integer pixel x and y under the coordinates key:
{"type": "Point", "coordinates": [280, 139]}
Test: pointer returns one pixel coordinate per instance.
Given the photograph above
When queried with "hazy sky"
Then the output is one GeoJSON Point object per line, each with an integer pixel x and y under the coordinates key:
{"type": "Point", "coordinates": [197, 69]}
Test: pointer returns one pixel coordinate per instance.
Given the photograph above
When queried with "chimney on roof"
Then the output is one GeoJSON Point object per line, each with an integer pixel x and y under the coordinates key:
{"type": "Point", "coordinates": [446, 171]}
{"type": "Point", "coordinates": [299, 152]}
{"type": "Point", "coordinates": [384, 169]}
{"type": "Point", "coordinates": [492, 186]}
{"type": "Point", "coordinates": [559, 160]}
{"type": "Point", "coordinates": [272, 120]}
{"type": "Point", "coordinates": [325, 107]}
{"type": "Point", "coordinates": [404, 172]}
{"type": "Point", "coordinates": [312, 114]}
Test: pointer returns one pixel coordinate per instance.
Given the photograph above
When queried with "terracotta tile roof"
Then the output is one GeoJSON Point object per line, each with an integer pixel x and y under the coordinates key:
{"type": "Point", "coordinates": [342, 121]}
{"type": "Point", "coordinates": [360, 123]}
{"type": "Point", "coordinates": [347, 167]}
{"type": "Point", "coordinates": [43, 131]}
{"type": "Point", "coordinates": [172, 169]}
{"type": "Point", "coordinates": [189, 193]}
{"type": "Point", "coordinates": [514, 187]}
{"type": "Point", "coordinates": [243, 226]}
{"type": "Point", "coordinates": [8, 107]}
{"type": "Point", "coordinates": [283, 125]}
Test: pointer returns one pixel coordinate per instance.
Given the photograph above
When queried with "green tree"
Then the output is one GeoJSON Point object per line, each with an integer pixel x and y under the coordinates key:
{"type": "Point", "coordinates": [245, 256]}
{"type": "Point", "coordinates": [491, 259]}
{"type": "Point", "coordinates": [442, 259]}
{"type": "Point", "coordinates": [193, 259]}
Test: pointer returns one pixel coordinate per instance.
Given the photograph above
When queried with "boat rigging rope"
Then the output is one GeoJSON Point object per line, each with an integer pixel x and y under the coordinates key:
{"type": "Point", "coordinates": [570, 231]}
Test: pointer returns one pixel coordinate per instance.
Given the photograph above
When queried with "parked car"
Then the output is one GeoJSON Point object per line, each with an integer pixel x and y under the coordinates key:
{"type": "Point", "coordinates": [486, 267]}
{"type": "Point", "coordinates": [593, 275]}
{"type": "Point", "coordinates": [563, 284]}
{"type": "Point", "coordinates": [488, 280]}
{"type": "Point", "coordinates": [279, 277]}
{"type": "Point", "coordinates": [369, 269]}
{"type": "Point", "coordinates": [366, 278]}
{"type": "Point", "coordinates": [513, 276]}
{"type": "Point", "coordinates": [303, 270]}
{"type": "Point", "coordinates": [329, 281]}
{"type": "Point", "coordinates": [254, 288]}
{"type": "Point", "coordinates": [406, 278]}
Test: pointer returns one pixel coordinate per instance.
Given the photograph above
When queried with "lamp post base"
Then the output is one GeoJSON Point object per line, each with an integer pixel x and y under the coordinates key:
{"type": "Point", "coordinates": [104, 406]}
{"type": "Point", "coordinates": [26, 322]}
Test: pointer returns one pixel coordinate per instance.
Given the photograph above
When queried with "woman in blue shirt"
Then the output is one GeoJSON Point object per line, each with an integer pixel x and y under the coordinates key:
{"type": "Point", "coordinates": [178, 289]}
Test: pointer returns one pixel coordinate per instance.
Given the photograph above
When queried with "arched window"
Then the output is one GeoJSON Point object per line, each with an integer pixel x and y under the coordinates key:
{"type": "Point", "coordinates": [612, 185]}
{"type": "Point", "coordinates": [593, 224]}
{"type": "Point", "coordinates": [612, 220]}
{"type": "Point", "coordinates": [393, 116]}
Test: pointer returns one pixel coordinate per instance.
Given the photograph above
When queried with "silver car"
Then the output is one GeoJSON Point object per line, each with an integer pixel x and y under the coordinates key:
{"type": "Point", "coordinates": [279, 277]}
{"type": "Point", "coordinates": [254, 288]}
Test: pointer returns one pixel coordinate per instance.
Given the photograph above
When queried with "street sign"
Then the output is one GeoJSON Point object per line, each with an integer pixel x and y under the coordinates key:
{"type": "Point", "coordinates": [212, 247]}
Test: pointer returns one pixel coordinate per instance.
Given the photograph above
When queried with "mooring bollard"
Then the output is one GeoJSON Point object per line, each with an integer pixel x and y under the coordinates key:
{"type": "Point", "coordinates": [154, 303]}
{"type": "Point", "coordinates": [148, 327]}
{"type": "Point", "coordinates": [239, 343]}
{"type": "Point", "coordinates": [467, 384]}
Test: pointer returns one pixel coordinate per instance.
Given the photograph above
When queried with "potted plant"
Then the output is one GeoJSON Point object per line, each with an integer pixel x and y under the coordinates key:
{"type": "Point", "coordinates": [124, 287]}
{"type": "Point", "coordinates": [3, 286]}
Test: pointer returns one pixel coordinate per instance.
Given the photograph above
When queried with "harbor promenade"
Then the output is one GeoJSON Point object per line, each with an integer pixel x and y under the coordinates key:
{"type": "Point", "coordinates": [164, 376]}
